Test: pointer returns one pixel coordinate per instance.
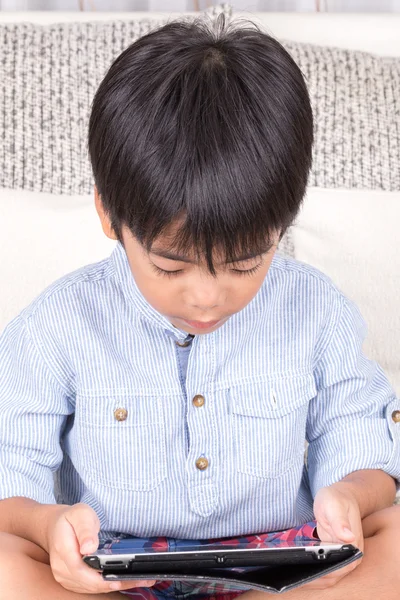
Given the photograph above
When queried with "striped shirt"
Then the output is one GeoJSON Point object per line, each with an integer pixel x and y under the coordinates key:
{"type": "Point", "coordinates": [101, 403]}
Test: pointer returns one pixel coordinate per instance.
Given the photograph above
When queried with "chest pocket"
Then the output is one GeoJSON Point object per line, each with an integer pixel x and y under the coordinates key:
{"type": "Point", "coordinates": [122, 441]}
{"type": "Point", "coordinates": [269, 424]}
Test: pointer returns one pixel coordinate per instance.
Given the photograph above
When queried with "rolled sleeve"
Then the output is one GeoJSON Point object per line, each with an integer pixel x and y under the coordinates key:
{"type": "Point", "coordinates": [353, 421]}
{"type": "Point", "coordinates": [33, 410]}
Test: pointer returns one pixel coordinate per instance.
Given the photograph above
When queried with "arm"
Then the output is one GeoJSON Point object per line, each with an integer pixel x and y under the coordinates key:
{"type": "Point", "coordinates": [28, 519]}
{"type": "Point", "coordinates": [352, 431]}
{"type": "Point", "coordinates": [34, 406]}
{"type": "Point", "coordinates": [33, 410]}
{"type": "Point", "coordinates": [373, 490]}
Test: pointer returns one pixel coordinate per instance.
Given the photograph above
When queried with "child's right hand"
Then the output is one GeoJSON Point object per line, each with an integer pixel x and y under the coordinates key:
{"type": "Point", "coordinates": [73, 531]}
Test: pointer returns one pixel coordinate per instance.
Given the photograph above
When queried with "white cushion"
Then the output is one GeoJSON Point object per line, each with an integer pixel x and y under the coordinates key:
{"type": "Point", "coordinates": [352, 236]}
{"type": "Point", "coordinates": [44, 237]}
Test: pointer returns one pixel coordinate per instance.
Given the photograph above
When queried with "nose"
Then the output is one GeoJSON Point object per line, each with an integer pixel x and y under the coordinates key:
{"type": "Point", "coordinates": [205, 294]}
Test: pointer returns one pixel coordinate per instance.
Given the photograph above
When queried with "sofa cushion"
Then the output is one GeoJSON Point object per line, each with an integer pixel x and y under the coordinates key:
{"type": "Point", "coordinates": [43, 238]}
{"type": "Point", "coordinates": [351, 235]}
{"type": "Point", "coordinates": [49, 75]}
{"type": "Point", "coordinates": [354, 96]}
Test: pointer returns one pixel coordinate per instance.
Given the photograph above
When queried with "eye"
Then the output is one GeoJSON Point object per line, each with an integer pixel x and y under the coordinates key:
{"type": "Point", "coordinates": [164, 272]}
{"type": "Point", "coordinates": [248, 271]}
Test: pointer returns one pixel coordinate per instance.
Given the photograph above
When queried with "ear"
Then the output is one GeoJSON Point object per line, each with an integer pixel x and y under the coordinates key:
{"type": "Point", "coordinates": [104, 219]}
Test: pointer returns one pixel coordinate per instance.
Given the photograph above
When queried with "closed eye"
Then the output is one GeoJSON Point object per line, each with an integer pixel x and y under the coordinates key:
{"type": "Point", "coordinates": [247, 271]}
{"type": "Point", "coordinates": [164, 272]}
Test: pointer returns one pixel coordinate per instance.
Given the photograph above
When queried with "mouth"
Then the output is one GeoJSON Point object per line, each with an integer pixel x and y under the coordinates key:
{"type": "Point", "coordinates": [201, 324]}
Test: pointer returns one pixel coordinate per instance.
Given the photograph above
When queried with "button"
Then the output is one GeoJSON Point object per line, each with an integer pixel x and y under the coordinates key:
{"type": "Point", "coordinates": [183, 344]}
{"type": "Point", "coordinates": [121, 414]}
{"type": "Point", "coordinates": [396, 416]}
{"type": "Point", "coordinates": [186, 343]}
{"type": "Point", "coordinates": [202, 463]}
{"type": "Point", "coordinates": [198, 400]}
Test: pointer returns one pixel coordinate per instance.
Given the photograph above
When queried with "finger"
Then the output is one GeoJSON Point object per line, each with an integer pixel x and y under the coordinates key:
{"type": "Point", "coordinates": [128, 585]}
{"type": "Point", "coordinates": [67, 564]}
{"type": "Point", "coordinates": [86, 525]}
{"type": "Point", "coordinates": [341, 529]}
{"type": "Point", "coordinates": [80, 579]}
{"type": "Point", "coordinates": [86, 580]}
{"type": "Point", "coordinates": [90, 580]}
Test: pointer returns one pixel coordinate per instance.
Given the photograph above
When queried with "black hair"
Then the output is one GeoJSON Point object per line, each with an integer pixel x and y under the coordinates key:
{"type": "Point", "coordinates": [208, 123]}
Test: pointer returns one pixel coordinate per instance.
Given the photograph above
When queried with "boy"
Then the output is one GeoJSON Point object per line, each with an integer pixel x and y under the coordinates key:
{"type": "Point", "coordinates": [172, 385]}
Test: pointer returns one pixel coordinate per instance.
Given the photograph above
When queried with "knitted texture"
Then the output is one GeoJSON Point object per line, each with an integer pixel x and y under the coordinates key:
{"type": "Point", "coordinates": [49, 75]}
{"type": "Point", "coordinates": [355, 99]}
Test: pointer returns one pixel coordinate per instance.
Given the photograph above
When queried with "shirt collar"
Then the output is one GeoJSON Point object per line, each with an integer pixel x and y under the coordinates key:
{"type": "Point", "coordinates": [129, 288]}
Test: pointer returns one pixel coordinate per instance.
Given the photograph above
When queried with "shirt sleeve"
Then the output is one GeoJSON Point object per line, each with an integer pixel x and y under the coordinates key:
{"type": "Point", "coordinates": [33, 410]}
{"type": "Point", "coordinates": [353, 422]}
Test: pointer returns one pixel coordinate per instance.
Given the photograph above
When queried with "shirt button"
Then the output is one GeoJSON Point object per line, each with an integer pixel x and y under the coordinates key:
{"type": "Point", "coordinates": [121, 414]}
{"type": "Point", "coordinates": [198, 400]}
{"type": "Point", "coordinates": [396, 416]}
{"type": "Point", "coordinates": [183, 344]}
{"type": "Point", "coordinates": [202, 463]}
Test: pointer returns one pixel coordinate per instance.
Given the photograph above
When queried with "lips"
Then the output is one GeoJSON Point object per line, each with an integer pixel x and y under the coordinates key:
{"type": "Point", "coordinates": [201, 324]}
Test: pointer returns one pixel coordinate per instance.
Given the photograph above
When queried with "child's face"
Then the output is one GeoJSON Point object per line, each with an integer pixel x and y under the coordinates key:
{"type": "Point", "coordinates": [183, 290]}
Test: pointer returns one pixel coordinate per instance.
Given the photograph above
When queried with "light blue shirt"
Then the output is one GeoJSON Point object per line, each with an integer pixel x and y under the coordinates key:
{"type": "Point", "coordinates": [93, 386]}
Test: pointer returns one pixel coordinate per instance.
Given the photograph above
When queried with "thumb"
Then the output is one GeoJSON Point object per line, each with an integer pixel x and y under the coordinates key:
{"type": "Point", "coordinates": [341, 528]}
{"type": "Point", "coordinates": [86, 525]}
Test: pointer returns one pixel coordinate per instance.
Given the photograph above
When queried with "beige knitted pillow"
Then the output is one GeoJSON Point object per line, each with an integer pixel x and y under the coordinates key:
{"type": "Point", "coordinates": [49, 74]}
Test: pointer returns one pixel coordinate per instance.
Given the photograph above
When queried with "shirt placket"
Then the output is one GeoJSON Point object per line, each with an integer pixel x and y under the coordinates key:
{"type": "Point", "coordinates": [202, 460]}
{"type": "Point", "coordinates": [182, 354]}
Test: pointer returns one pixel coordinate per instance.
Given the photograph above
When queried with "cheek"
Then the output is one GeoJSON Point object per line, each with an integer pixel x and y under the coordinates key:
{"type": "Point", "coordinates": [162, 295]}
{"type": "Point", "coordinates": [245, 290]}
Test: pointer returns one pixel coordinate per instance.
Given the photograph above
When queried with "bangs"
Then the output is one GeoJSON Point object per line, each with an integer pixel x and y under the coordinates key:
{"type": "Point", "coordinates": [208, 127]}
{"type": "Point", "coordinates": [231, 245]}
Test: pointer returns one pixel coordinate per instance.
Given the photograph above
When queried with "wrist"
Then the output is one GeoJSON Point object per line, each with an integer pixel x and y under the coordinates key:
{"type": "Point", "coordinates": [351, 492]}
{"type": "Point", "coordinates": [45, 517]}
{"type": "Point", "coordinates": [372, 490]}
{"type": "Point", "coordinates": [346, 488]}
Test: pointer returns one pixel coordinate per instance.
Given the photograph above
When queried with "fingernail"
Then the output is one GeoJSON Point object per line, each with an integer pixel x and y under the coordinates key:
{"type": "Point", "coordinates": [87, 546]}
{"type": "Point", "coordinates": [347, 531]}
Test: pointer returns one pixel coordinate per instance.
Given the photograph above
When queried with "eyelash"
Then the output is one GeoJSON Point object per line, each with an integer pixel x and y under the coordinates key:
{"type": "Point", "coordinates": [248, 271]}
{"type": "Point", "coordinates": [159, 271]}
{"type": "Point", "coordinates": [166, 273]}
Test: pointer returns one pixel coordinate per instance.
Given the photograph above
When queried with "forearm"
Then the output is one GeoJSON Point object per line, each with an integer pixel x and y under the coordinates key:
{"type": "Point", "coordinates": [28, 519]}
{"type": "Point", "coordinates": [372, 488]}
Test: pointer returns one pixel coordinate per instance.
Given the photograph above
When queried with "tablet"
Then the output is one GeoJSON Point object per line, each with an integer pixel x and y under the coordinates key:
{"type": "Point", "coordinates": [141, 557]}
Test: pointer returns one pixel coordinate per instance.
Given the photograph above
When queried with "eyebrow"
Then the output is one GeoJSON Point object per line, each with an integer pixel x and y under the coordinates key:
{"type": "Point", "coordinates": [178, 257]}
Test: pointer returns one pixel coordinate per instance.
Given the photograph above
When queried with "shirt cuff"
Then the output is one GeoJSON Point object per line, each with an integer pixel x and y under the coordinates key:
{"type": "Point", "coordinates": [370, 442]}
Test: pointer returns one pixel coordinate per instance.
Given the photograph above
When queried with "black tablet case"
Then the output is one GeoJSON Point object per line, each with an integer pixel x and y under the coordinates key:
{"type": "Point", "coordinates": [274, 580]}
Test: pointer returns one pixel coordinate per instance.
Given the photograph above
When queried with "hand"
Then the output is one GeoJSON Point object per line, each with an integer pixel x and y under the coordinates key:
{"type": "Point", "coordinates": [73, 531]}
{"type": "Point", "coordinates": [338, 520]}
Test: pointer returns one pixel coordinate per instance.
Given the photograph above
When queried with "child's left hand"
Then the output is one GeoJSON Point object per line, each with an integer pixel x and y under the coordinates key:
{"type": "Point", "coordinates": [338, 520]}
